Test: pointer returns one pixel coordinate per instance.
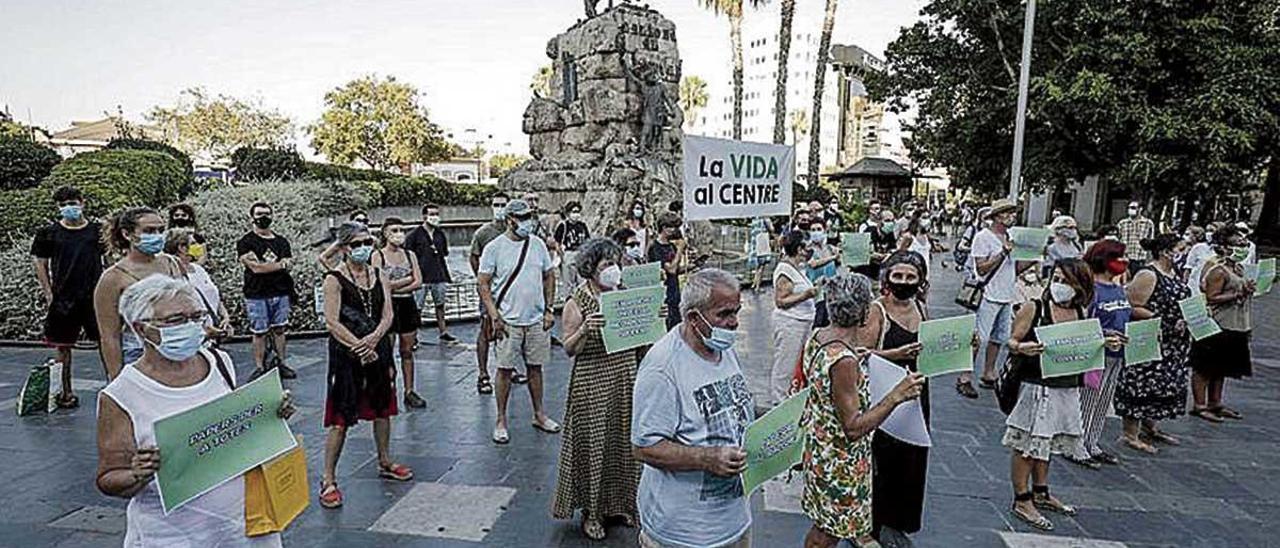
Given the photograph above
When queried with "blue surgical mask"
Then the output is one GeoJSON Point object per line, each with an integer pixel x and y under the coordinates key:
{"type": "Point", "coordinates": [499, 213]}
{"type": "Point", "coordinates": [818, 237]}
{"type": "Point", "coordinates": [150, 244]}
{"type": "Point", "coordinates": [525, 228]}
{"type": "Point", "coordinates": [721, 339]}
{"type": "Point", "coordinates": [71, 212]}
{"type": "Point", "coordinates": [179, 342]}
{"type": "Point", "coordinates": [361, 254]}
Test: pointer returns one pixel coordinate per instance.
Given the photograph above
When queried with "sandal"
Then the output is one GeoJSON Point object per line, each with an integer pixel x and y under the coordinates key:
{"type": "Point", "coordinates": [966, 389]}
{"type": "Point", "coordinates": [593, 529]}
{"type": "Point", "coordinates": [1226, 412]}
{"type": "Point", "coordinates": [626, 520]}
{"type": "Point", "coordinates": [1044, 501]}
{"type": "Point", "coordinates": [1138, 445]}
{"type": "Point", "coordinates": [1206, 414]}
{"type": "Point", "coordinates": [1159, 436]}
{"type": "Point", "coordinates": [330, 496]}
{"type": "Point", "coordinates": [500, 436]}
{"type": "Point", "coordinates": [1039, 522]}
{"type": "Point", "coordinates": [549, 426]}
{"type": "Point", "coordinates": [1087, 463]}
{"type": "Point", "coordinates": [67, 401]}
{"type": "Point", "coordinates": [398, 472]}
{"type": "Point", "coordinates": [988, 384]}
{"type": "Point", "coordinates": [484, 385]}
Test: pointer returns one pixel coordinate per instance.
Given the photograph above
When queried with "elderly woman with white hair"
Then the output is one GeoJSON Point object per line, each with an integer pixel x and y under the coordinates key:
{"type": "Point", "coordinates": [1065, 243]}
{"type": "Point", "coordinates": [175, 373]}
{"type": "Point", "coordinates": [839, 418]}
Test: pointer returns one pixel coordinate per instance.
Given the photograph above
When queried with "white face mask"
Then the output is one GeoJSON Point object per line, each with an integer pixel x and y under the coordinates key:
{"type": "Point", "coordinates": [635, 252]}
{"type": "Point", "coordinates": [1061, 293]}
{"type": "Point", "coordinates": [433, 220]}
{"type": "Point", "coordinates": [575, 216]}
{"type": "Point", "coordinates": [610, 277]}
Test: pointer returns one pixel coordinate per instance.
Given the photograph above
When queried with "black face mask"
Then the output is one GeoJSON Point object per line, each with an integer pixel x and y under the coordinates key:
{"type": "Point", "coordinates": [182, 223]}
{"type": "Point", "coordinates": [903, 291]}
{"type": "Point", "coordinates": [262, 222]}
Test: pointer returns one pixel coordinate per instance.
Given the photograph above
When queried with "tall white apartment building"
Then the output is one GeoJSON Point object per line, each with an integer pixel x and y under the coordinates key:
{"type": "Point", "coordinates": [851, 125]}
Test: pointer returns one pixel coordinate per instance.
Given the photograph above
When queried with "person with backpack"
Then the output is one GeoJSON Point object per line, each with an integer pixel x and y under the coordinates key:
{"type": "Point", "coordinates": [517, 284]}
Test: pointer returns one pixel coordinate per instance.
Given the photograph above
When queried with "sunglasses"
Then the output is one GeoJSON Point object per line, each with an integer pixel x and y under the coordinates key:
{"type": "Point", "coordinates": [359, 243]}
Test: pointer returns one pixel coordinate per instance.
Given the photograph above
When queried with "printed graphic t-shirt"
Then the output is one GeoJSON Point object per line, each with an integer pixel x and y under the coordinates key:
{"type": "Point", "coordinates": [266, 250]}
{"type": "Point", "coordinates": [682, 398]}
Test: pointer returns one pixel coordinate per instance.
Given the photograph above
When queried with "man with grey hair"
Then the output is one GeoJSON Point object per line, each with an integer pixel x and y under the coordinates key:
{"type": "Point", "coordinates": [690, 411]}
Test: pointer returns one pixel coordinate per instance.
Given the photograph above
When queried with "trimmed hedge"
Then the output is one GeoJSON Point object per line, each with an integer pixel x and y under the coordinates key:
{"type": "Point", "coordinates": [416, 191]}
{"type": "Point", "coordinates": [22, 306]}
{"type": "Point", "coordinates": [265, 164]}
{"type": "Point", "coordinates": [154, 146]}
{"type": "Point", "coordinates": [23, 163]}
{"type": "Point", "coordinates": [113, 179]}
{"type": "Point", "coordinates": [21, 213]}
{"type": "Point", "coordinates": [332, 172]}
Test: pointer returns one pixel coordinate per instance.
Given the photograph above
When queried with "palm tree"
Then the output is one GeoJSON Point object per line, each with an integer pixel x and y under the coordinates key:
{"type": "Point", "coordinates": [784, 52]}
{"type": "Point", "coordinates": [733, 10]}
{"type": "Point", "coordinates": [799, 125]}
{"type": "Point", "coordinates": [693, 96]}
{"type": "Point", "coordinates": [819, 82]}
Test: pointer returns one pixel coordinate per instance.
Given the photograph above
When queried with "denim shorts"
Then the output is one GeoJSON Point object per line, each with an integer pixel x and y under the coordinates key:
{"type": "Point", "coordinates": [995, 322]}
{"type": "Point", "coordinates": [438, 291]}
{"type": "Point", "coordinates": [266, 314]}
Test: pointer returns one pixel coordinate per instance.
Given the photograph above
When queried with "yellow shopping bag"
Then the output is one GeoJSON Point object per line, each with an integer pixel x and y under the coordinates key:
{"type": "Point", "coordinates": [276, 493]}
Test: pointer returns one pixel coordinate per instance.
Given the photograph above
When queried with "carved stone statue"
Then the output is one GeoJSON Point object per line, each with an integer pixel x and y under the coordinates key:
{"type": "Point", "coordinates": [591, 7]}
{"type": "Point", "coordinates": [658, 106]}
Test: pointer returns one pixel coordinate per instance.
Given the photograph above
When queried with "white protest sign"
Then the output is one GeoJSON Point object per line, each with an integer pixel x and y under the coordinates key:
{"type": "Point", "coordinates": [906, 422]}
{"type": "Point", "coordinates": [726, 179]}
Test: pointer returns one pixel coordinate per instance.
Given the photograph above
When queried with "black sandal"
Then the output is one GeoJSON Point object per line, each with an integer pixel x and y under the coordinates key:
{"type": "Point", "coordinates": [1042, 500]}
{"type": "Point", "coordinates": [1205, 413]}
{"type": "Point", "coordinates": [1226, 412]}
{"type": "Point", "coordinates": [1040, 522]}
{"type": "Point", "coordinates": [66, 401]}
{"type": "Point", "coordinates": [484, 385]}
{"type": "Point", "coordinates": [966, 389]}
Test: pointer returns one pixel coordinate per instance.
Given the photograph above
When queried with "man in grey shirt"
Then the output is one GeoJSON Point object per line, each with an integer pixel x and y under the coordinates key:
{"type": "Point", "coordinates": [691, 409]}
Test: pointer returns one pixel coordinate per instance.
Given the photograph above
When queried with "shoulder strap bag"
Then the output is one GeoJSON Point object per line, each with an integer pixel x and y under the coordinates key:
{"type": "Point", "coordinates": [970, 294]}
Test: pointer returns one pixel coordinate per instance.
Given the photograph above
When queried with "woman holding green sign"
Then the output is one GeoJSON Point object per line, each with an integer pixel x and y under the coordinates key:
{"type": "Point", "coordinates": [174, 375]}
{"type": "Point", "coordinates": [1106, 259]}
{"type": "Point", "coordinates": [597, 473]}
{"type": "Point", "coordinates": [839, 417]}
{"type": "Point", "coordinates": [1156, 390]}
{"type": "Point", "coordinates": [1230, 297]}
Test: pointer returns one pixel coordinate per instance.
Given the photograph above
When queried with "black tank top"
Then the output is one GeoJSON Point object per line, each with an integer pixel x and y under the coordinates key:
{"type": "Point", "coordinates": [1029, 366]}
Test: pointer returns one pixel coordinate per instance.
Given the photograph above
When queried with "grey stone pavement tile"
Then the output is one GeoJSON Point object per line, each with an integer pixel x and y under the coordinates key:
{"type": "Point", "coordinates": [1220, 488]}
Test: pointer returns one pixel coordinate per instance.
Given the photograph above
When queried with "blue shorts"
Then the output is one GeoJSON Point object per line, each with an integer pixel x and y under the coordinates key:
{"type": "Point", "coordinates": [267, 314]}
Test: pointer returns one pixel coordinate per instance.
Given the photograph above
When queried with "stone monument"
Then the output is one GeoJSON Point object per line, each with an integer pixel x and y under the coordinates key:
{"type": "Point", "coordinates": [609, 133]}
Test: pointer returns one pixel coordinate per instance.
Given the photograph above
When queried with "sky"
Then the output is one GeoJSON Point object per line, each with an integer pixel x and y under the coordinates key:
{"type": "Point", "coordinates": [471, 59]}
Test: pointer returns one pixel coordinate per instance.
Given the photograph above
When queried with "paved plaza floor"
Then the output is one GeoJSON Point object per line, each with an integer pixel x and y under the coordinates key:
{"type": "Point", "coordinates": [1220, 488]}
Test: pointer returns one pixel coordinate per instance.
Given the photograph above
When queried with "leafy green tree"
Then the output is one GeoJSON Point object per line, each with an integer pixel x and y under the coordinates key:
{"type": "Point", "coordinates": [377, 121]}
{"type": "Point", "coordinates": [212, 126]}
{"type": "Point", "coordinates": [1167, 99]}
{"type": "Point", "coordinates": [501, 164]}
{"type": "Point", "coordinates": [693, 97]}
{"type": "Point", "coordinates": [733, 9]}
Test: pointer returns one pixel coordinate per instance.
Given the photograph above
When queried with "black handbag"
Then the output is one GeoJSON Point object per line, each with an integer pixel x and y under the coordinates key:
{"type": "Point", "coordinates": [970, 295]}
{"type": "Point", "coordinates": [1008, 386]}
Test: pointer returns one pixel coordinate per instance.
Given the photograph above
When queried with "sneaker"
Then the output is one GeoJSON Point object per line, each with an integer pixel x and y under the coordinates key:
{"type": "Point", "coordinates": [287, 372]}
{"type": "Point", "coordinates": [445, 337]}
{"type": "Point", "coordinates": [412, 399]}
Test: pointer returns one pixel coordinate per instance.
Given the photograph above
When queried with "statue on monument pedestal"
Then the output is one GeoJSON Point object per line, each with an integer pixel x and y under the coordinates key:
{"type": "Point", "coordinates": [658, 106]}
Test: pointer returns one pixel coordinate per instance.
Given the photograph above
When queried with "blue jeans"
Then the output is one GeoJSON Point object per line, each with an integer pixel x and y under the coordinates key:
{"type": "Point", "coordinates": [267, 314]}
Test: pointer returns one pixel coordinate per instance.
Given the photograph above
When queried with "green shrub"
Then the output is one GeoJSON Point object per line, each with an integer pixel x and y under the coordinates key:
{"type": "Point", "coordinates": [22, 212]}
{"type": "Point", "coordinates": [264, 164]}
{"type": "Point", "coordinates": [154, 146]}
{"type": "Point", "coordinates": [112, 179]}
{"type": "Point", "coordinates": [224, 217]}
{"type": "Point", "coordinates": [416, 191]}
{"type": "Point", "coordinates": [21, 306]}
{"type": "Point", "coordinates": [330, 172]}
{"type": "Point", "coordinates": [24, 162]}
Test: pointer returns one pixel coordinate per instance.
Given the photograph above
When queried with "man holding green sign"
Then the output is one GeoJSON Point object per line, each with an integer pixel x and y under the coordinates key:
{"type": "Point", "coordinates": [774, 442]}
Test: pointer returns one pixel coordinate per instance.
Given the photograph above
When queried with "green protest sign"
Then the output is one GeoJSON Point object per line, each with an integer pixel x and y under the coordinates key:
{"type": "Point", "coordinates": [855, 248]}
{"type": "Point", "coordinates": [632, 317]}
{"type": "Point", "coordinates": [1195, 312]}
{"type": "Point", "coordinates": [207, 445]}
{"type": "Point", "coordinates": [642, 275]}
{"type": "Point", "coordinates": [1144, 341]}
{"type": "Point", "coordinates": [774, 443]}
{"type": "Point", "coordinates": [1266, 276]}
{"type": "Point", "coordinates": [1028, 243]}
{"type": "Point", "coordinates": [1071, 348]}
{"type": "Point", "coordinates": [945, 345]}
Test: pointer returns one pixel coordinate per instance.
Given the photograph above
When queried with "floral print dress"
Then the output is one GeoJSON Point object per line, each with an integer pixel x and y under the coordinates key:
{"type": "Point", "coordinates": [1158, 390]}
{"type": "Point", "coordinates": [837, 486]}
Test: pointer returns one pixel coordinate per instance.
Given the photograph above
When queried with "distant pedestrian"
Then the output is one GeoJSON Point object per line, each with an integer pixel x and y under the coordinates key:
{"type": "Point", "coordinates": [632, 248]}
{"type": "Point", "coordinates": [1199, 253]}
{"type": "Point", "coordinates": [839, 418]}
{"type": "Point", "coordinates": [1156, 390]}
{"type": "Point", "coordinates": [1132, 230]}
{"type": "Point", "coordinates": [517, 283]}
{"type": "Point", "coordinates": [597, 472]}
{"type": "Point", "coordinates": [358, 314]}
{"type": "Point", "coordinates": [404, 276]}
{"type": "Point", "coordinates": [179, 243]}
{"type": "Point", "coordinates": [668, 249]}
{"type": "Point", "coordinates": [759, 250]}
{"type": "Point", "coordinates": [638, 223]}
{"type": "Point", "coordinates": [485, 234]}
{"type": "Point", "coordinates": [793, 312]}
{"type": "Point", "coordinates": [68, 255]}
{"type": "Point", "coordinates": [570, 235]}
{"type": "Point", "coordinates": [184, 216]}
{"type": "Point", "coordinates": [690, 413]}
{"type": "Point", "coordinates": [822, 264]}
{"type": "Point", "coordinates": [268, 287]}
{"type": "Point", "coordinates": [1225, 355]}
{"type": "Point", "coordinates": [1065, 243]}
{"type": "Point", "coordinates": [173, 375]}
{"type": "Point", "coordinates": [991, 260]}
{"type": "Point", "coordinates": [1107, 262]}
{"type": "Point", "coordinates": [137, 233]}
{"type": "Point", "coordinates": [430, 247]}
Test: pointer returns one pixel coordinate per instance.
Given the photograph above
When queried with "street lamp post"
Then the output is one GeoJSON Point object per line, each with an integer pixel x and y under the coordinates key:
{"type": "Point", "coordinates": [1020, 126]}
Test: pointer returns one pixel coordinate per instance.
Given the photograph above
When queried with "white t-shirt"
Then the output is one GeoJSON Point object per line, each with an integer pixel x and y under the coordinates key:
{"type": "Point", "coordinates": [1002, 287]}
{"type": "Point", "coordinates": [524, 304]}
{"type": "Point", "coordinates": [1196, 258]}
{"type": "Point", "coordinates": [203, 284]}
{"type": "Point", "coordinates": [921, 244]}
{"type": "Point", "coordinates": [803, 310]}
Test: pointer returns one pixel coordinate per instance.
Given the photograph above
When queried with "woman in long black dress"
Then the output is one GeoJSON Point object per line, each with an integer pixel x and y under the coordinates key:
{"type": "Point", "coordinates": [898, 480]}
{"type": "Point", "coordinates": [362, 373]}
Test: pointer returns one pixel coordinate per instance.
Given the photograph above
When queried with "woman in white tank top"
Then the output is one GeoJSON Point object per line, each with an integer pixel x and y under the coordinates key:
{"type": "Point", "coordinates": [173, 375]}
